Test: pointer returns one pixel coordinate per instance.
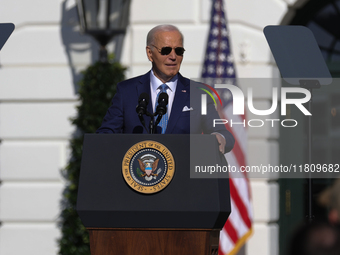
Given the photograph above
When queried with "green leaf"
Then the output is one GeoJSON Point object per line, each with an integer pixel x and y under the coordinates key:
{"type": "Point", "coordinates": [139, 172]}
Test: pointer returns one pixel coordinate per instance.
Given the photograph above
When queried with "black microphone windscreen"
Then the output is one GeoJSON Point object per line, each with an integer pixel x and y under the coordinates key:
{"type": "Point", "coordinates": [144, 97]}
{"type": "Point", "coordinates": [163, 97]}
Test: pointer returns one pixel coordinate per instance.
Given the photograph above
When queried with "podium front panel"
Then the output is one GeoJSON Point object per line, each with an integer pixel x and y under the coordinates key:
{"type": "Point", "coordinates": [105, 200]}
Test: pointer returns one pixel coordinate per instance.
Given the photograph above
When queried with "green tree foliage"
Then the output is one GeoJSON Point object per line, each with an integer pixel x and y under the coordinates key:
{"type": "Point", "coordinates": [96, 90]}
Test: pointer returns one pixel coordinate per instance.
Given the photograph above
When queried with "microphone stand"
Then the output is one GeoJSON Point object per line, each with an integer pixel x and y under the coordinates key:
{"type": "Point", "coordinates": [160, 115]}
{"type": "Point", "coordinates": [141, 118]}
{"type": "Point", "coordinates": [160, 111]}
{"type": "Point", "coordinates": [151, 124]}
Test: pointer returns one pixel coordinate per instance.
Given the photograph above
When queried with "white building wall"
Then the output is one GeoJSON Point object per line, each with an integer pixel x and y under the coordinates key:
{"type": "Point", "coordinates": [39, 66]}
{"type": "Point", "coordinates": [37, 98]}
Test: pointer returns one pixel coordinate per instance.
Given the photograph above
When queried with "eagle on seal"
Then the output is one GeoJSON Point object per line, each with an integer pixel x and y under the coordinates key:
{"type": "Point", "coordinates": [148, 166]}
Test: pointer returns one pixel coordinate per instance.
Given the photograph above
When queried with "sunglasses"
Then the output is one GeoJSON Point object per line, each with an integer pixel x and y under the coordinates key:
{"type": "Point", "coordinates": [167, 50]}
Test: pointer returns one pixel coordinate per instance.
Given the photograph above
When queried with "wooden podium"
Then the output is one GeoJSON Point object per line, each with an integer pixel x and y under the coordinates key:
{"type": "Point", "coordinates": [183, 218]}
{"type": "Point", "coordinates": [154, 241]}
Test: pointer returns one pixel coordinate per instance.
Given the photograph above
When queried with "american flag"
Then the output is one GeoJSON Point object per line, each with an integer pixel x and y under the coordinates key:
{"type": "Point", "coordinates": [219, 68]}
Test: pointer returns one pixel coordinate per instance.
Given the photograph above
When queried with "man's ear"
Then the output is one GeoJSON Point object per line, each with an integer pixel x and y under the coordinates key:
{"type": "Point", "coordinates": [149, 53]}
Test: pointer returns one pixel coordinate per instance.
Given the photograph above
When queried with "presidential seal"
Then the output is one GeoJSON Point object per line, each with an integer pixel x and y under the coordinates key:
{"type": "Point", "coordinates": [148, 167]}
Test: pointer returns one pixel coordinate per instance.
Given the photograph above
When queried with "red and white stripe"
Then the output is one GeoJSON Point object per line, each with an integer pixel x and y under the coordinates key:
{"type": "Point", "coordinates": [238, 227]}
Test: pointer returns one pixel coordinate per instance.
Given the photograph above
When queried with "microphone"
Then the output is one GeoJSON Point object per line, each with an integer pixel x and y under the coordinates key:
{"type": "Point", "coordinates": [143, 101]}
{"type": "Point", "coordinates": [161, 108]}
{"type": "Point", "coordinates": [162, 103]}
{"type": "Point", "coordinates": [141, 108]}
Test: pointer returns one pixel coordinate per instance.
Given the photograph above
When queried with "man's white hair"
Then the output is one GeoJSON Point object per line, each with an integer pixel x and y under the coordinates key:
{"type": "Point", "coordinates": [160, 28]}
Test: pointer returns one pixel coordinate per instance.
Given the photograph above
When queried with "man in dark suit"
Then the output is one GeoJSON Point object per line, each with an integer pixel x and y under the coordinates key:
{"type": "Point", "coordinates": [165, 51]}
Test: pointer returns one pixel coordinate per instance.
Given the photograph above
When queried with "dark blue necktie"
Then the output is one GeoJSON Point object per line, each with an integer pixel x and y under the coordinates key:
{"type": "Point", "coordinates": [164, 121]}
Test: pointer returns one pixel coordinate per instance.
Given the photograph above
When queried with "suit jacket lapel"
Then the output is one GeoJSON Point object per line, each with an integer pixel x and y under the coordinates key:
{"type": "Point", "coordinates": [144, 87]}
{"type": "Point", "coordinates": [182, 96]}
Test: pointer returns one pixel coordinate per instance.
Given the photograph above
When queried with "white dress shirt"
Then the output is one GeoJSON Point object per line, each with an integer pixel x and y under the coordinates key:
{"type": "Point", "coordinates": [155, 83]}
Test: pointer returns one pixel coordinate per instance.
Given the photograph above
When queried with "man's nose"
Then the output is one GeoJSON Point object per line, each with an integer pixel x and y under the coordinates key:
{"type": "Point", "coordinates": [172, 54]}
